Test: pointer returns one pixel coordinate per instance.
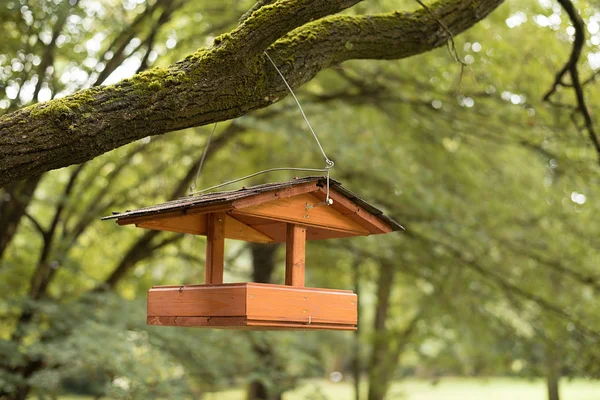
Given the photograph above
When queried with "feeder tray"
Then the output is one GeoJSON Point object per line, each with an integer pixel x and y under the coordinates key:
{"type": "Point", "coordinates": [291, 212]}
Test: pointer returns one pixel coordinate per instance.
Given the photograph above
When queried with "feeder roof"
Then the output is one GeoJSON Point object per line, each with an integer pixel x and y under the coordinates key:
{"type": "Point", "coordinates": [260, 213]}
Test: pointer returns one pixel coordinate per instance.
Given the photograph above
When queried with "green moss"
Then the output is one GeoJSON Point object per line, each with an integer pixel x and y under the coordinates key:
{"type": "Point", "coordinates": [145, 86]}
{"type": "Point", "coordinates": [51, 109]}
{"type": "Point", "coordinates": [66, 105]}
{"type": "Point", "coordinates": [264, 15]}
{"type": "Point", "coordinates": [170, 80]}
{"type": "Point", "coordinates": [145, 78]}
{"type": "Point", "coordinates": [221, 38]}
{"type": "Point", "coordinates": [155, 85]}
{"type": "Point", "coordinates": [200, 53]}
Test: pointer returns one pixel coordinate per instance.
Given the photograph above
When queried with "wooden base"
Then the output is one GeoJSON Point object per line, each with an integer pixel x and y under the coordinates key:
{"type": "Point", "coordinates": [253, 306]}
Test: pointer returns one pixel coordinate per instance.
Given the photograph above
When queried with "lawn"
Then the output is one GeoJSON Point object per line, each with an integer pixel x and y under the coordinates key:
{"type": "Point", "coordinates": [446, 389]}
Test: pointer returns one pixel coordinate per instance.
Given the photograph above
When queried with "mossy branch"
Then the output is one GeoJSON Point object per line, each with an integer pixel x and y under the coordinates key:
{"type": "Point", "coordinates": [272, 20]}
{"type": "Point", "coordinates": [219, 83]}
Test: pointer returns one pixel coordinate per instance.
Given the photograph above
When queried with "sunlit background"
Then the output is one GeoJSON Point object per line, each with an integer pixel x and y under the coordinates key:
{"type": "Point", "coordinates": [491, 293]}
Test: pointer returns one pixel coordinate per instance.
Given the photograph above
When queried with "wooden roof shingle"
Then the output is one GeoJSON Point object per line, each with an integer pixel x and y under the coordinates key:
{"type": "Point", "coordinates": [345, 202]}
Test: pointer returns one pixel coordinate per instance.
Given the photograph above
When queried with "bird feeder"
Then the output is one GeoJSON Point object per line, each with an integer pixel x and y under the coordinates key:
{"type": "Point", "coordinates": [291, 212]}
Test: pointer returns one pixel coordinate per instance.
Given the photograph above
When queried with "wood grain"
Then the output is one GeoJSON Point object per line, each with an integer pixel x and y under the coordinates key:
{"type": "Point", "coordinates": [215, 248]}
{"type": "Point", "coordinates": [194, 224]}
{"type": "Point", "coordinates": [353, 211]}
{"type": "Point", "coordinates": [293, 210]}
{"type": "Point", "coordinates": [262, 217]}
{"type": "Point", "coordinates": [278, 231]}
{"type": "Point", "coordinates": [295, 255]}
{"type": "Point", "coordinates": [278, 325]}
{"type": "Point", "coordinates": [275, 195]}
{"type": "Point", "coordinates": [252, 306]}
{"type": "Point", "coordinates": [242, 323]}
{"type": "Point", "coordinates": [197, 300]}
{"type": "Point", "coordinates": [156, 216]}
{"type": "Point", "coordinates": [235, 229]}
{"type": "Point", "coordinates": [286, 303]}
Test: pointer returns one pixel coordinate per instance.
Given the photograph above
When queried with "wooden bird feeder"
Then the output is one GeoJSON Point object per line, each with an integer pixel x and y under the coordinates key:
{"type": "Point", "coordinates": [291, 212]}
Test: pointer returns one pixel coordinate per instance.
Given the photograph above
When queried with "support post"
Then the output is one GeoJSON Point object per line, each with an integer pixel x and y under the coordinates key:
{"type": "Point", "coordinates": [215, 248]}
{"type": "Point", "coordinates": [295, 255]}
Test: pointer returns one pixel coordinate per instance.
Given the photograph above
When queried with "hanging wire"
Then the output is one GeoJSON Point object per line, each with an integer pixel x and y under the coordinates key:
{"type": "Point", "coordinates": [266, 171]}
{"type": "Point", "coordinates": [328, 162]}
{"type": "Point", "coordinates": [193, 185]}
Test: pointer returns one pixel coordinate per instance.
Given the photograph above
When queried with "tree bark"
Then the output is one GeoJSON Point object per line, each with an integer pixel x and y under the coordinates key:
{"type": "Point", "coordinates": [378, 367]}
{"type": "Point", "coordinates": [143, 247]}
{"type": "Point", "coordinates": [263, 265]}
{"type": "Point", "coordinates": [140, 250]}
{"type": "Point", "coordinates": [356, 359]}
{"type": "Point", "coordinates": [263, 261]}
{"type": "Point", "coordinates": [14, 200]}
{"type": "Point", "coordinates": [14, 203]}
{"type": "Point", "coordinates": [551, 349]}
{"type": "Point", "coordinates": [19, 194]}
{"type": "Point", "coordinates": [552, 372]}
{"type": "Point", "coordinates": [223, 82]}
{"type": "Point", "coordinates": [388, 344]}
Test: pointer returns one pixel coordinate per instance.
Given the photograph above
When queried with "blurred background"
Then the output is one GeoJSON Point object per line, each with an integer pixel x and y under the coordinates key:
{"type": "Point", "coordinates": [492, 292]}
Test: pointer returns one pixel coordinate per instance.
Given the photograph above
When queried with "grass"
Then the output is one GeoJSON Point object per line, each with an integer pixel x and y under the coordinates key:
{"type": "Point", "coordinates": [446, 389]}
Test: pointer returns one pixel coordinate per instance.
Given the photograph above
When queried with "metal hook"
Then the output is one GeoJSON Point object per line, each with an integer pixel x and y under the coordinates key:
{"type": "Point", "coordinates": [321, 203]}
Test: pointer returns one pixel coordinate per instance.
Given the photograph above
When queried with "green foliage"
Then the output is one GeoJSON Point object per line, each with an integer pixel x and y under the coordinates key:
{"type": "Point", "coordinates": [497, 190]}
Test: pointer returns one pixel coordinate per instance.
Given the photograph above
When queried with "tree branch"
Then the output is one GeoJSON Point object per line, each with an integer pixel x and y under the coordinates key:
{"type": "Point", "coordinates": [256, 6]}
{"type": "Point", "coordinates": [50, 49]}
{"type": "Point", "coordinates": [570, 67]}
{"type": "Point", "coordinates": [505, 284]}
{"type": "Point", "coordinates": [223, 82]}
{"type": "Point", "coordinates": [592, 78]}
{"type": "Point", "coordinates": [269, 22]}
{"type": "Point", "coordinates": [35, 223]}
{"type": "Point", "coordinates": [44, 270]}
{"type": "Point", "coordinates": [12, 206]}
{"type": "Point", "coordinates": [120, 42]}
{"type": "Point", "coordinates": [143, 247]}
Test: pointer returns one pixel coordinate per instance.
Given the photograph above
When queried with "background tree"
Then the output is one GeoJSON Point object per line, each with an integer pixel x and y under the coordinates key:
{"type": "Point", "coordinates": [496, 274]}
{"type": "Point", "coordinates": [233, 69]}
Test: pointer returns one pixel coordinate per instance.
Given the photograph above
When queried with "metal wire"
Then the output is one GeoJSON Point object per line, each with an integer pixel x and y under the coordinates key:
{"type": "Point", "coordinates": [264, 172]}
{"type": "Point", "coordinates": [327, 160]}
{"type": "Point", "coordinates": [193, 185]}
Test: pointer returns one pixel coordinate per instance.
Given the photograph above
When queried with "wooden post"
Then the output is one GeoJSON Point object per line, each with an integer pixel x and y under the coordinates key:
{"type": "Point", "coordinates": [295, 255]}
{"type": "Point", "coordinates": [215, 248]}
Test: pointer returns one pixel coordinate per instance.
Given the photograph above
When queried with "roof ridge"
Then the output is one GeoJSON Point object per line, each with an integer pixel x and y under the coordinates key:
{"type": "Point", "coordinates": [183, 204]}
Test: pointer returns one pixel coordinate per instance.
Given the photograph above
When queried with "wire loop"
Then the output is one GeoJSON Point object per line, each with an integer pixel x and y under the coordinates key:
{"type": "Point", "coordinates": [328, 163]}
{"type": "Point", "coordinates": [193, 185]}
{"type": "Point", "coordinates": [264, 172]}
{"type": "Point", "coordinates": [327, 160]}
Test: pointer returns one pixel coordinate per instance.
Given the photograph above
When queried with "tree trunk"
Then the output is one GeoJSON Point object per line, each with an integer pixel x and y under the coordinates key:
{"type": "Point", "coordinates": [356, 364]}
{"type": "Point", "coordinates": [551, 350]}
{"type": "Point", "coordinates": [388, 345]}
{"type": "Point", "coordinates": [379, 368]}
{"type": "Point", "coordinates": [263, 265]}
{"type": "Point", "coordinates": [263, 261]}
{"type": "Point", "coordinates": [223, 82]}
{"type": "Point", "coordinates": [14, 200]}
{"type": "Point", "coordinates": [552, 372]}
